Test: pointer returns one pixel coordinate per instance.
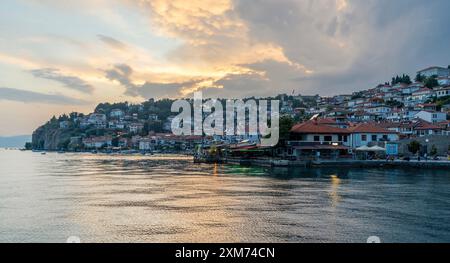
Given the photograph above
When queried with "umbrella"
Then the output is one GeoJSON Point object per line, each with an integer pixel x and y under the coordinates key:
{"type": "Point", "coordinates": [363, 148]}
{"type": "Point", "coordinates": [377, 149]}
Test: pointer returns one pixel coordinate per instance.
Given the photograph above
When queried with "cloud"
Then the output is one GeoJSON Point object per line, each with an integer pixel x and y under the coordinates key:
{"type": "Point", "coordinates": [351, 45]}
{"type": "Point", "coordinates": [35, 97]}
{"type": "Point", "coordinates": [122, 73]}
{"type": "Point", "coordinates": [71, 82]}
{"type": "Point", "coordinates": [114, 43]}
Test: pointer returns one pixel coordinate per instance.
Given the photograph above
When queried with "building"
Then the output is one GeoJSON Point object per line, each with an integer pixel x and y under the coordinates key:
{"type": "Point", "coordinates": [136, 127]}
{"type": "Point", "coordinates": [365, 134]}
{"type": "Point", "coordinates": [167, 125]}
{"type": "Point", "coordinates": [421, 95]}
{"type": "Point", "coordinates": [443, 92]}
{"type": "Point", "coordinates": [153, 117]}
{"type": "Point", "coordinates": [114, 124]}
{"type": "Point", "coordinates": [432, 116]}
{"type": "Point", "coordinates": [117, 113]}
{"type": "Point", "coordinates": [379, 110]}
{"type": "Point", "coordinates": [97, 119]}
{"type": "Point", "coordinates": [444, 81]}
{"type": "Point", "coordinates": [424, 128]}
{"type": "Point", "coordinates": [314, 140]}
{"type": "Point", "coordinates": [435, 71]}
{"type": "Point", "coordinates": [64, 124]}
{"type": "Point", "coordinates": [97, 142]}
{"type": "Point", "coordinates": [148, 143]}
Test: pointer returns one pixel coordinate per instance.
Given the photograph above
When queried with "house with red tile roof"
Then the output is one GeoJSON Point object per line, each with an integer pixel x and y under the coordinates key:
{"type": "Point", "coordinates": [319, 138]}
{"type": "Point", "coordinates": [364, 134]}
{"type": "Point", "coordinates": [424, 128]}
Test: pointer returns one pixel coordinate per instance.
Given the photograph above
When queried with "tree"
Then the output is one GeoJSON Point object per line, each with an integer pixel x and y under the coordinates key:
{"type": "Point", "coordinates": [286, 124]}
{"type": "Point", "coordinates": [433, 151]}
{"type": "Point", "coordinates": [115, 142]}
{"type": "Point", "coordinates": [403, 79]}
{"type": "Point", "coordinates": [28, 146]}
{"type": "Point", "coordinates": [431, 82]}
{"type": "Point", "coordinates": [414, 147]}
{"type": "Point", "coordinates": [420, 78]}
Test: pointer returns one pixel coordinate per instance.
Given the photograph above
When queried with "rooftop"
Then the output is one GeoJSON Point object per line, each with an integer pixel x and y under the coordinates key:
{"type": "Point", "coordinates": [314, 127]}
{"type": "Point", "coordinates": [368, 128]}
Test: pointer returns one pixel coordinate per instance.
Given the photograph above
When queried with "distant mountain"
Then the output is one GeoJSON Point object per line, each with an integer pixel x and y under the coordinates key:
{"type": "Point", "coordinates": [14, 141]}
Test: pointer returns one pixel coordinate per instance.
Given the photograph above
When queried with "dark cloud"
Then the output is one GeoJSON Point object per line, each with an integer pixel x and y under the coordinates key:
{"type": "Point", "coordinates": [35, 97]}
{"type": "Point", "coordinates": [114, 43]}
{"type": "Point", "coordinates": [70, 82]}
{"type": "Point", "coordinates": [351, 49]}
{"type": "Point", "coordinates": [122, 74]}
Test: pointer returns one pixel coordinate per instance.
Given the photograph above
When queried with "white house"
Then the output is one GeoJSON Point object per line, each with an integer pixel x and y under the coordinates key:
{"type": "Point", "coordinates": [116, 125]}
{"type": "Point", "coordinates": [444, 81]}
{"type": "Point", "coordinates": [379, 110]}
{"type": "Point", "coordinates": [431, 116]}
{"type": "Point", "coordinates": [97, 142]}
{"type": "Point", "coordinates": [364, 134]}
{"type": "Point", "coordinates": [136, 127]}
{"type": "Point", "coordinates": [443, 92]}
{"type": "Point", "coordinates": [422, 94]}
{"type": "Point", "coordinates": [435, 71]}
{"type": "Point", "coordinates": [147, 144]}
{"type": "Point", "coordinates": [117, 113]}
{"type": "Point", "coordinates": [98, 120]}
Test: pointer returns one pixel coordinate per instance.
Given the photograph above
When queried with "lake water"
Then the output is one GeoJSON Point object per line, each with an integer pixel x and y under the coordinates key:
{"type": "Point", "coordinates": [100, 198]}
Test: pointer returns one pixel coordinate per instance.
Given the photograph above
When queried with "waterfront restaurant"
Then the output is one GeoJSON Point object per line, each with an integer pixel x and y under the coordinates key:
{"type": "Point", "coordinates": [314, 140]}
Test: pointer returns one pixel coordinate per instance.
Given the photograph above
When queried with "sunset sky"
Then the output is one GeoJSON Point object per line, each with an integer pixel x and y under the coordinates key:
{"type": "Point", "coordinates": [59, 56]}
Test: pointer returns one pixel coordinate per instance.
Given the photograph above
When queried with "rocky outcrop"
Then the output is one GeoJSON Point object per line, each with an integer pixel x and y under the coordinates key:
{"type": "Point", "coordinates": [49, 138]}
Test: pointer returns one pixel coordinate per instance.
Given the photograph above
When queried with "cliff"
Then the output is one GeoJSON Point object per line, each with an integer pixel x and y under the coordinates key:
{"type": "Point", "coordinates": [50, 138]}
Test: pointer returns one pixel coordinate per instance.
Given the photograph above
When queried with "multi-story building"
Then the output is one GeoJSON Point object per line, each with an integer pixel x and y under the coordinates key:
{"type": "Point", "coordinates": [435, 71]}
{"type": "Point", "coordinates": [364, 134]}
{"type": "Point", "coordinates": [431, 116]}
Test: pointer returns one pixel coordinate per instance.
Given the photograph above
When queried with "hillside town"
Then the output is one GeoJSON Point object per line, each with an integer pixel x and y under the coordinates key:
{"type": "Point", "coordinates": [401, 117]}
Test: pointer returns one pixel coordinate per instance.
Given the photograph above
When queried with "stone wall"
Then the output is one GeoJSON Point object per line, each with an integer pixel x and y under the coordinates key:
{"type": "Point", "coordinates": [441, 142]}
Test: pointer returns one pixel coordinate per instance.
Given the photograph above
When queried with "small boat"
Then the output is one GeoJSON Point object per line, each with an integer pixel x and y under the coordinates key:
{"type": "Point", "coordinates": [43, 153]}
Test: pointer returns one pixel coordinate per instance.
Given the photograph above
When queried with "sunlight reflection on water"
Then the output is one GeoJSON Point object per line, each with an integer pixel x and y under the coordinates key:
{"type": "Point", "coordinates": [101, 198]}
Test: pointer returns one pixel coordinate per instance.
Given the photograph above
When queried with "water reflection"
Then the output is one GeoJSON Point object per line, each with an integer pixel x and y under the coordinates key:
{"type": "Point", "coordinates": [104, 198]}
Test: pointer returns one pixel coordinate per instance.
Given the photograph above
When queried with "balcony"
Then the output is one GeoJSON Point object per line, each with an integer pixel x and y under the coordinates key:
{"type": "Point", "coordinates": [304, 143]}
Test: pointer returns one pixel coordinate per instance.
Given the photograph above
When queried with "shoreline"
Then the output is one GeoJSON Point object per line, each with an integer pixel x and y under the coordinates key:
{"type": "Point", "coordinates": [429, 164]}
{"type": "Point", "coordinates": [262, 162]}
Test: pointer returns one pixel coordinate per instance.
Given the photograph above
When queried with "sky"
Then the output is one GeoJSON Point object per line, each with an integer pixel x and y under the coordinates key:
{"type": "Point", "coordinates": [60, 56]}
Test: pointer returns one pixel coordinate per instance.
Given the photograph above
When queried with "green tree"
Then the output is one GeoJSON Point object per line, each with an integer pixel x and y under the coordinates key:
{"type": "Point", "coordinates": [286, 124]}
{"type": "Point", "coordinates": [28, 146]}
{"type": "Point", "coordinates": [420, 78]}
{"type": "Point", "coordinates": [431, 82]}
{"type": "Point", "coordinates": [433, 151]}
{"type": "Point", "coordinates": [414, 147]}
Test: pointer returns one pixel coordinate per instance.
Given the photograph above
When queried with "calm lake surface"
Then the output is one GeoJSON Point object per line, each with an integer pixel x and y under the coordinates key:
{"type": "Point", "coordinates": [100, 198]}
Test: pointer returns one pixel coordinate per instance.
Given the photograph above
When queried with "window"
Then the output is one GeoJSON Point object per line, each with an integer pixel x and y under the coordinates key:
{"type": "Point", "coordinates": [385, 137]}
{"type": "Point", "coordinates": [374, 138]}
{"type": "Point", "coordinates": [317, 138]}
{"type": "Point", "coordinates": [345, 138]}
{"type": "Point", "coordinates": [363, 137]}
{"type": "Point", "coordinates": [339, 138]}
{"type": "Point", "coordinates": [328, 138]}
